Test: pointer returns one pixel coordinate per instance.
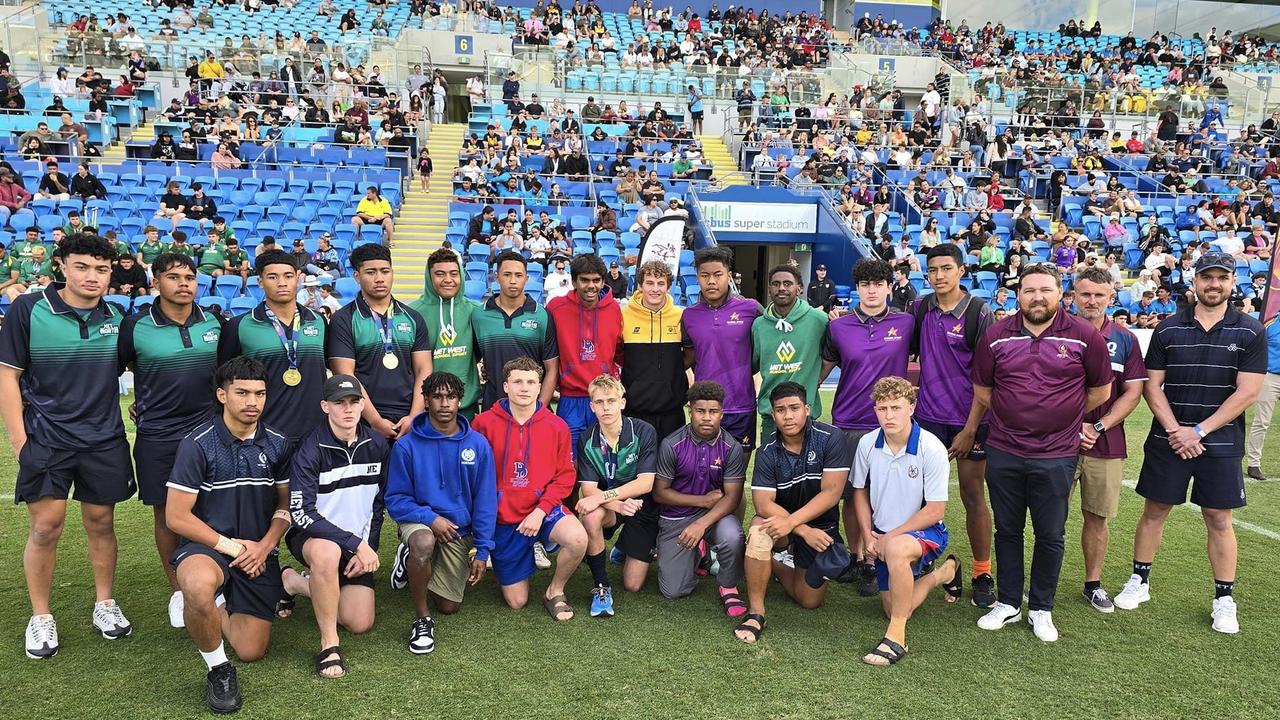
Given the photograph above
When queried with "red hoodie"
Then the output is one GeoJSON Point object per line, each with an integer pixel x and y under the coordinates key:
{"type": "Point", "coordinates": [590, 340]}
{"type": "Point", "coordinates": [533, 461]}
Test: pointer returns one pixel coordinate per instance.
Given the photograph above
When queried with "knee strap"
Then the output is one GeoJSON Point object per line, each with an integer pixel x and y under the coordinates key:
{"type": "Point", "coordinates": [759, 544]}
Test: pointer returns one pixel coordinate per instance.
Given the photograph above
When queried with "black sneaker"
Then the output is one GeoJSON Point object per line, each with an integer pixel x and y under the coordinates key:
{"type": "Point", "coordinates": [984, 591]}
{"type": "Point", "coordinates": [222, 690]}
{"type": "Point", "coordinates": [399, 571]}
{"type": "Point", "coordinates": [868, 586]}
{"type": "Point", "coordinates": [422, 636]}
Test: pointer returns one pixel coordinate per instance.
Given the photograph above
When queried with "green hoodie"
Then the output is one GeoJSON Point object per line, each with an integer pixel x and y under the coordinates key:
{"type": "Point", "coordinates": [789, 348]}
{"type": "Point", "coordinates": [453, 351]}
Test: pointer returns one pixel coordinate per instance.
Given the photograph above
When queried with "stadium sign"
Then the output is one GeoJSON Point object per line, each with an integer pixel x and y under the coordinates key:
{"type": "Point", "coordinates": [798, 218]}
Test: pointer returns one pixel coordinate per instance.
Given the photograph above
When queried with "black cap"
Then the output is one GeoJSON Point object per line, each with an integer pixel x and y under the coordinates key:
{"type": "Point", "coordinates": [1212, 260]}
{"type": "Point", "coordinates": [821, 267]}
{"type": "Point", "coordinates": [831, 563]}
{"type": "Point", "coordinates": [341, 386]}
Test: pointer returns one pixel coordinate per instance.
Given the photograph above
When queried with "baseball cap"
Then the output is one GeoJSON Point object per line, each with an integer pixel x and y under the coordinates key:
{"type": "Point", "coordinates": [831, 563]}
{"type": "Point", "coordinates": [821, 267]}
{"type": "Point", "coordinates": [341, 386]}
{"type": "Point", "coordinates": [1212, 260]}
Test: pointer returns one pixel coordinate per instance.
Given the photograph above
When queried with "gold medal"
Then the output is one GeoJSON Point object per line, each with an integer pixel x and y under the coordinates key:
{"type": "Point", "coordinates": [390, 361]}
{"type": "Point", "coordinates": [292, 377]}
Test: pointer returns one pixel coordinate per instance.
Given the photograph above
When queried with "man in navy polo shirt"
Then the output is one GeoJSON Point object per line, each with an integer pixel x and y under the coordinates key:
{"type": "Point", "coordinates": [1206, 365]}
{"type": "Point", "coordinates": [58, 352]}
{"type": "Point", "coordinates": [1041, 354]}
{"type": "Point", "coordinates": [949, 324]}
{"type": "Point", "coordinates": [867, 344]}
{"type": "Point", "coordinates": [717, 342]}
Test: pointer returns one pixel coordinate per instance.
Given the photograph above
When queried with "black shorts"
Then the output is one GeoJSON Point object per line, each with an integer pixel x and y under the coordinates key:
{"type": "Point", "coordinates": [802, 555]}
{"type": "Point", "coordinates": [294, 540]}
{"type": "Point", "coordinates": [741, 427]}
{"type": "Point", "coordinates": [663, 423]}
{"type": "Point", "coordinates": [246, 595]}
{"type": "Point", "coordinates": [638, 534]}
{"type": "Point", "coordinates": [696, 114]}
{"type": "Point", "coordinates": [947, 433]}
{"type": "Point", "coordinates": [851, 439]}
{"type": "Point", "coordinates": [153, 461]}
{"type": "Point", "coordinates": [1219, 482]}
{"type": "Point", "coordinates": [101, 476]}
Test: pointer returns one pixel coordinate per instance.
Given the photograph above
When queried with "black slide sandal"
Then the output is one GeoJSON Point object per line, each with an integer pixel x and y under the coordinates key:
{"type": "Point", "coordinates": [895, 653]}
{"type": "Point", "coordinates": [955, 588]}
{"type": "Point", "coordinates": [756, 632]}
{"type": "Point", "coordinates": [337, 661]}
{"type": "Point", "coordinates": [285, 603]}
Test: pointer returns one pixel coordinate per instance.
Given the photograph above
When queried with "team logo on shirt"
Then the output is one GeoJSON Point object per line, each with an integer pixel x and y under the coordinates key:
{"type": "Point", "coordinates": [404, 327]}
{"type": "Point", "coordinates": [957, 328]}
{"type": "Point", "coordinates": [262, 459]}
{"type": "Point", "coordinates": [109, 328]}
{"type": "Point", "coordinates": [529, 324]}
{"type": "Point", "coordinates": [734, 319]}
{"type": "Point", "coordinates": [468, 456]}
{"type": "Point", "coordinates": [630, 458]}
{"type": "Point", "coordinates": [892, 334]}
{"type": "Point", "coordinates": [448, 335]}
{"type": "Point", "coordinates": [813, 456]}
{"type": "Point", "coordinates": [1062, 350]}
{"type": "Point", "coordinates": [210, 337]}
{"type": "Point", "coordinates": [520, 474]}
{"type": "Point", "coordinates": [311, 331]}
{"type": "Point", "coordinates": [785, 351]}
{"type": "Point", "coordinates": [912, 471]}
{"type": "Point", "coordinates": [717, 463]}
{"type": "Point", "coordinates": [1233, 347]}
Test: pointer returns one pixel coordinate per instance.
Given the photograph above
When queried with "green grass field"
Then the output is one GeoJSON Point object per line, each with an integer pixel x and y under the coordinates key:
{"type": "Point", "coordinates": [678, 659]}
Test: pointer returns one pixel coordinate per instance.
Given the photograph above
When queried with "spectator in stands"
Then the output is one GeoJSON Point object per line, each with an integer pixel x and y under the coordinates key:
{"type": "Point", "coordinates": [648, 215]}
{"type": "Point", "coordinates": [173, 203]}
{"type": "Point", "coordinates": [374, 209]}
{"type": "Point", "coordinates": [557, 282]}
{"type": "Point", "coordinates": [164, 149]}
{"type": "Point", "coordinates": [85, 185]}
{"type": "Point", "coordinates": [54, 184]}
{"type": "Point", "coordinates": [128, 278]}
{"type": "Point", "coordinates": [13, 197]}
{"type": "Point", "coordinates": [224, 159]}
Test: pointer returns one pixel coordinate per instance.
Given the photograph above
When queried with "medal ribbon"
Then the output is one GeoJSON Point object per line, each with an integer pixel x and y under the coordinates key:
{"type": "Point", "coordinates": [288, 339]}
{"type": "Point", "coordinates": [384, 329]}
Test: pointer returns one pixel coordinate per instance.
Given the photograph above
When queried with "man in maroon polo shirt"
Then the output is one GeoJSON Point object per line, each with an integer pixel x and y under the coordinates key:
{"type": "Point", "coordinates": [1038, 371]}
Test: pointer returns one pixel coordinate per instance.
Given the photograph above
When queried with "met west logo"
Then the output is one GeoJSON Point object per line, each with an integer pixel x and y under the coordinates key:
{"type": "Point", "coordinates": [787, 364]}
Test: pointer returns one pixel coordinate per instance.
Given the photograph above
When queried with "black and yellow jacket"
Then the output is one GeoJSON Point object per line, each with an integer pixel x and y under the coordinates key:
{"type": "Point", "coordinates": [652, 358]}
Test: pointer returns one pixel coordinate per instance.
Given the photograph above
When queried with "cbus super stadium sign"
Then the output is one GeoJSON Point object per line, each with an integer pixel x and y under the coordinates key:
{"type": "Point", "coordinates": [797, 218]}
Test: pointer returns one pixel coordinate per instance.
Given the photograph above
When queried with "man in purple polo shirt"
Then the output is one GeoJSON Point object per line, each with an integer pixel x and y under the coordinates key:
{"type": "Point", "coordinates": [698, 486]}
{"type": "Point", "coordinates": [1038, 371]}
{"type": "Point", "coordinates": [949, 325]}
{"type": "Point", "coordinates": [867, 344]}
{"type": "Point", "coordinates": [1102, 447]}
{"type": "Point", "coordinates": [716, 333]}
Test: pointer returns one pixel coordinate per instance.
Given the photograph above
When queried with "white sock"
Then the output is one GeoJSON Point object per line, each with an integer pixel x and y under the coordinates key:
{"type": "Point", "coordinates": [214, 657]}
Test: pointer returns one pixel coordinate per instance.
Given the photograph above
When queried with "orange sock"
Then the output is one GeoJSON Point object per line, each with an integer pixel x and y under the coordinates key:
{"type": "Point", "coordinates": [981, 567]}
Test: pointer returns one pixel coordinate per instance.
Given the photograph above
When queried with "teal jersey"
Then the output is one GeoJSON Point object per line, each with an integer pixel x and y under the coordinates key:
{"type": "Point", "coordinates": [173, 368]}
{"type": "Point", "coordinates": [608, 467]}
{"type": "Point", "coordinates": [354, 334]}
{"type": "Point", "coordinates": [499, 337]}
{"type": "Point", "coordinates": [292, 411]}
{"type": "Point", "coordinates": [69, 369]}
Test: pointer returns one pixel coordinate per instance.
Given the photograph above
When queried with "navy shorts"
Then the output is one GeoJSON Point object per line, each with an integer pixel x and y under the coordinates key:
{"type": "Point", "coordinates": [933, 540]}
{"type": "Point", "coordinates": [1219, 482]}
{"type": "Point", "coordinates": [294, 540]}
{"type": "Point", "coordinates": [741, 427]}
{"type": "Point", "coordinates": [576, 413]}
{"type": "Point", "coordinates": [638, 534]}
{"type": "Point", "coordinates": [250, 596]}
{"type": "Point", "coordinates": [802, 555]}
{"type": "Point", "coordinates": [101, 476]}
{"type": "Point", "coordinates": [153, 461]}
{"type": "Point", "coordinates": [513, 553]}
{"type": "Point", "coordinates": [947, 433]}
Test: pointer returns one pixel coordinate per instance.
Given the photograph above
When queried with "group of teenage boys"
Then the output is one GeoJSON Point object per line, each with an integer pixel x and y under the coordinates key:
{"type": "Point", "coordinates": [438, 411]}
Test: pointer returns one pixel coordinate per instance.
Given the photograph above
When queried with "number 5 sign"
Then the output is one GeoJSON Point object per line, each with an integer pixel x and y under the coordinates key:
{"type": "Point", "coordinates": [462, 45]}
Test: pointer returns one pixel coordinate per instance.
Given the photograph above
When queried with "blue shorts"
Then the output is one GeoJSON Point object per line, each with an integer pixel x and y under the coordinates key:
{"type": "Point", "coordinates": [947, 433]}
{"type": "Point", "coordinates": [741, 427]}
{"type": "Point", "coordinates": [576, 413]}
{"type": "Point", "coordinates": [513, 553]}
{"type": "Point", "coordinates": [933, 540]}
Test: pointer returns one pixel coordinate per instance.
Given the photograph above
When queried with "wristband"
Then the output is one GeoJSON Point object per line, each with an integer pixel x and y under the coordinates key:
{"type": "Point", "coordinates": [1199, 430]}
{"type": "Point", "coordinates": [610, 494]}
{"type": "Point", "coordinates": [283, 515]}
{"type": "Point", "coordinates": [227, 546]}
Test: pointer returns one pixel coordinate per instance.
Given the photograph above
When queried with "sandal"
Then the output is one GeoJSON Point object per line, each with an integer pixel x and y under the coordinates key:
{"type": "Point", "coordinates": [955, 588]}
{"type": "Point", "coordinates": [557, 605]}
{"type": "Point", "coordinates": [284, 604]}
{"type": "Point", "coordinates": [336, 662]}
{"type": "Point", "coordinates": [733, 605]}
{"type": "Point", "coordinates": [756, 632]}
{"type": "Point", "coordinates": [892, 655]}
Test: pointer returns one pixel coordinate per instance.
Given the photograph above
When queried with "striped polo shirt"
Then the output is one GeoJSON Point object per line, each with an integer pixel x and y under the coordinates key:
{"type": "Point", "coordinates": [499, 337]}
{"type": "Point", "coordinates": [796, 479]}
{"type": "Point", "coordinates": [355, 334]}
{"type": "Point", "coordinates": [695, 466]}
{"type": "Point", "coordinates": [173, 368]}
{"type": "Point", "coordinates": [1200, 369]}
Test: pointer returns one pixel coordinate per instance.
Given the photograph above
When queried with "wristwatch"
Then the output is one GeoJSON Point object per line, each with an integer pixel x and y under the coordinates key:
{"type": "Point", "coordinates": [1099, 427]}
{"type": "Point", "coordinates": [1199, 430]}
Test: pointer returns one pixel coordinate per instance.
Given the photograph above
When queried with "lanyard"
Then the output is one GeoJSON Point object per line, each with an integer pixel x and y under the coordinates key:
{"type": "Point", "coordinates": [288, 339]}
{"type": "Point", "coordinates": [610, 456]}
{"type": "Point", "coordinates": [384, 329]}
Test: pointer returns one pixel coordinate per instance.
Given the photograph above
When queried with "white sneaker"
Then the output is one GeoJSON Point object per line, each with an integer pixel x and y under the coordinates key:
{"type": "Point", "coordinates": [176, 606]}
{"type": "Point", "coordinates": [785, 558]}
{"type": "Point", "coordinates": [1224, 615]}
{"type": "Point", "coordinates": [1042, 625]}
{"type": "Point", "coordinates": [1135, 593]}
{"type": "Point", "coordinates": [110, 621]}
{"type": "Point", "coordinates": [42, 637]}
{"type": "Point", "coordinates": [999, 616]}
{"type": "Point", "coordinates": [540, 558]}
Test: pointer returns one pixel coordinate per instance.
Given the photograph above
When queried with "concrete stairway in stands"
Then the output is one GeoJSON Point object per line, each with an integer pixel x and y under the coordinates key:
{"type": "Point", "coordinates": [723, 166]}
{"type": "Point", "coordinates": [424, 216]}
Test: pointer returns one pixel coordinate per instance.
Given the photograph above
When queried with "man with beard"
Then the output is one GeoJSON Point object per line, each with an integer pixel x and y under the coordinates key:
{"type": "Point", "coordinates": [1206, 364]}
{"type": "Point", "coordinates": [1040, 352]}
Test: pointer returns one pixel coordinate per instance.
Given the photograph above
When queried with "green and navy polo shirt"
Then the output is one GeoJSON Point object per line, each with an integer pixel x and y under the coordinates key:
{"type": "Point", "coordinates": [529, 332]}
{"type": "Point", "coordinates": [354, 334]}
{"type": "Point", "coordinates": [610, 467]}
{"type": "Point", "coordinates": [69, 379]}
{"type": "Point", "coordinates": [173, 368]}
{"type": "Point", "coordinates": [292, 411]}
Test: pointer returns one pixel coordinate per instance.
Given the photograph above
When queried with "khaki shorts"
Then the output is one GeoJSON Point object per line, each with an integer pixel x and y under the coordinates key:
{"type": "Point", "coordinates": [451, 566]}
{"type": "Point", "coordinates": [1100, 485]}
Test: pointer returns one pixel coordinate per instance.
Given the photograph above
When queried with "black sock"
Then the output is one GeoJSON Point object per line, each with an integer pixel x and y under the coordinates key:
{"type": "Point", "coordinates": [1223, 588]}
{"type": "Point", "coordinates": [1091, 585]}
{"type": "Point", "coordinates": [1142, 570]}
{"type": "Point", "coordinates": [597, 564]}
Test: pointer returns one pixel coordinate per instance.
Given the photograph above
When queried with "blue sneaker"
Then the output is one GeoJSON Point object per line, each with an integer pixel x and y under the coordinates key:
{"type": "Point", "coordinates": [616, 557]}
{"type": "Point", "coordinates": [602, 601]}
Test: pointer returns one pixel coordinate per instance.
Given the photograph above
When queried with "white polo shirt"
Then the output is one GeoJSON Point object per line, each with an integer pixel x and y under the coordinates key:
{"type": "Point", "coordinates": [900, 483]}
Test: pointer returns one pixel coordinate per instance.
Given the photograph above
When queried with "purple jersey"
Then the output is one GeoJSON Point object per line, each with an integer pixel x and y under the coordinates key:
{"type": "Point", "coordinates": [721, 342]}
{"type": "Point", "coordinates": [1127, 367]}
{"type": "Point", "coordinates": [866, 349]}
{"type": "Point", "coordinates": [946, 358]}
{"type": "Point", "coordinates": [695, 466]}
